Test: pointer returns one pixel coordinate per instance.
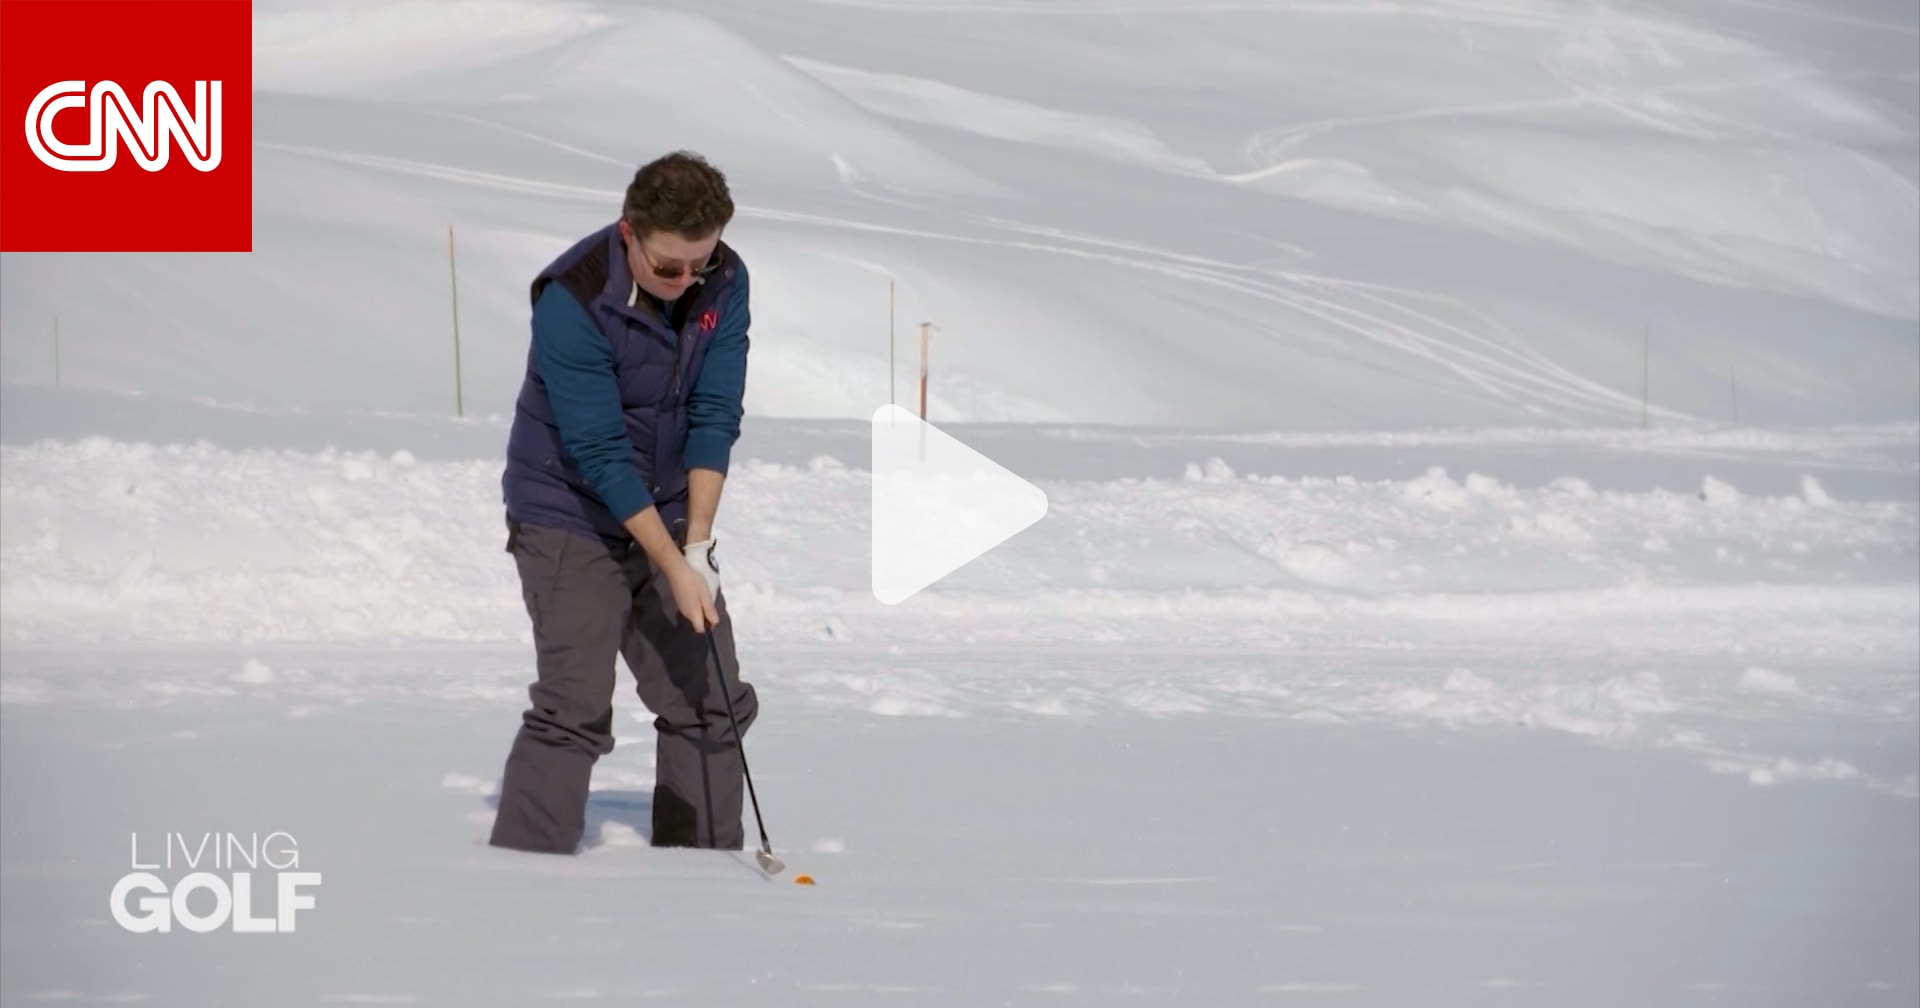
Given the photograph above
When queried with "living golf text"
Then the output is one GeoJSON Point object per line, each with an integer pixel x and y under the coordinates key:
{"type": "Point", "coordinates": [205, 857]}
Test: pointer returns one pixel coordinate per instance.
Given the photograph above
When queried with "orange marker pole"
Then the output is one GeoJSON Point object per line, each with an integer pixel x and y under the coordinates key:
{"type": "Point", "coordinates": [926, 329]}
{"type": "Point", "coordinates": [924, 337]}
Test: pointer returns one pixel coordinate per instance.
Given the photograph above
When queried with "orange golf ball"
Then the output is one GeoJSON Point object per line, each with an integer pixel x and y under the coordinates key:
{"type": "Point", "coordinates": [803, 880]}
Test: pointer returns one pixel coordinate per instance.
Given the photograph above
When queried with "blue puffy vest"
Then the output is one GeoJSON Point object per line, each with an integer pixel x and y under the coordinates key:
{"type": "Point", "coordinates": [655, 359]}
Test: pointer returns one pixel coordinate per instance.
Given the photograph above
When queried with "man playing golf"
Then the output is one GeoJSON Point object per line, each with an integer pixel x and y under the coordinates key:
{"type": "Point", "coordinates": [618, 453]}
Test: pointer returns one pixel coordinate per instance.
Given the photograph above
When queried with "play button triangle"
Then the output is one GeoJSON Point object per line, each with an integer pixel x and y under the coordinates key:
{"type": "Point", "coordinates": [937, 504]}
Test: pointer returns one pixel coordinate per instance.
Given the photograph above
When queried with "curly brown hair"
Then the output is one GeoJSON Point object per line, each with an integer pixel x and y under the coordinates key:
{"type": "Point", "coordinates": [679, 193]}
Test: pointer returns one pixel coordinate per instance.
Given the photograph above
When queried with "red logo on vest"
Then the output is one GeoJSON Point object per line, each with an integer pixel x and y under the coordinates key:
{"type": "Point", "coordinates": [126, 126]}
{"type": "Point", "coordinates": [709, 319]}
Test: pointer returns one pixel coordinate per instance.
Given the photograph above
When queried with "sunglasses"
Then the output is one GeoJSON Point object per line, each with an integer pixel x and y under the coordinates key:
{"type": "Point", "coordinates": [674, 271]}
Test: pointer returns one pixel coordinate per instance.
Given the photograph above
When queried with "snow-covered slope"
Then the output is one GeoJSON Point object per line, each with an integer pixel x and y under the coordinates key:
{"type": "Point", "coordinates": [1235, 214]}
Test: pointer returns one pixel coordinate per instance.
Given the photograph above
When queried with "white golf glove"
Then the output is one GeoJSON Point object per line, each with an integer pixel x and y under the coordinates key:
{"type": "Point", "coordinates": [700, 556]}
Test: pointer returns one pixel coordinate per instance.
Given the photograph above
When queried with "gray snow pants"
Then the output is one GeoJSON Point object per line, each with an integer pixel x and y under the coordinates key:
{"type": "Point", "coordinates": [591, 603]}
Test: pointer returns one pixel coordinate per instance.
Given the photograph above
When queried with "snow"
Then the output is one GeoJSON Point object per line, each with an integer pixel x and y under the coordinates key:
{"type": "Point", "coordinates": [1294, 720]}
{"type": "Point", "coordinates": [1376, 647]}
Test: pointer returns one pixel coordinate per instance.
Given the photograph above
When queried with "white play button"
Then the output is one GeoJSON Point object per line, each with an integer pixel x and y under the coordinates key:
{"type": "Point", "coordinates": [937, 504]}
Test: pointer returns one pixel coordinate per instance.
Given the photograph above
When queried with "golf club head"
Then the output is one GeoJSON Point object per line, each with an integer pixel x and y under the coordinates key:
{"type": "Point", "coordinates": [768, 863]}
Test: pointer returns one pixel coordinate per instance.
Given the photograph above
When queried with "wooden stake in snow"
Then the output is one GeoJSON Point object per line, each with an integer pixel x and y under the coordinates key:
{"type": "Point", "coordinates": [1646, 369]}
{"type": "Point", "coordinates": [453, 275]}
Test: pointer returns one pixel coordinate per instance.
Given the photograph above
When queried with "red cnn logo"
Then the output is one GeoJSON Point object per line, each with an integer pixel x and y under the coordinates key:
{"type": "Point", "coordinates": [126, 126]}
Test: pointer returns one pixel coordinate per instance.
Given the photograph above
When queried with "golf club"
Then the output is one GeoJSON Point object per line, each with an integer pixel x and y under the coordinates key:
{"type": "Point", "coordinates": [768, 863]}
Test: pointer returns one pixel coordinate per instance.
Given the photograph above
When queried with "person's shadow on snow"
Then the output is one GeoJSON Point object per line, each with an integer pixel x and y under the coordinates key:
{"type": "Point", "coordinates": [622, 810]}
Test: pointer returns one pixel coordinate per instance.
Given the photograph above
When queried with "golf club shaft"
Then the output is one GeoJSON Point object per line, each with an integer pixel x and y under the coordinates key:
{"type": "Point", "coordinates": [719, 671]}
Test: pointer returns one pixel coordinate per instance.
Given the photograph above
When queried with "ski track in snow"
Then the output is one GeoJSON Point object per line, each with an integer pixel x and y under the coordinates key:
{"type": "Point", "coordinates": [1384, 315]}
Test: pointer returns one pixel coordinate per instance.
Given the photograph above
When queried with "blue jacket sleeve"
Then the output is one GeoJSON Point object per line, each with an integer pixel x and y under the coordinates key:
{"type": "Point", "coordinates": [575, 363]}
{"type": "Point", "coordinates": [716, 399]}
